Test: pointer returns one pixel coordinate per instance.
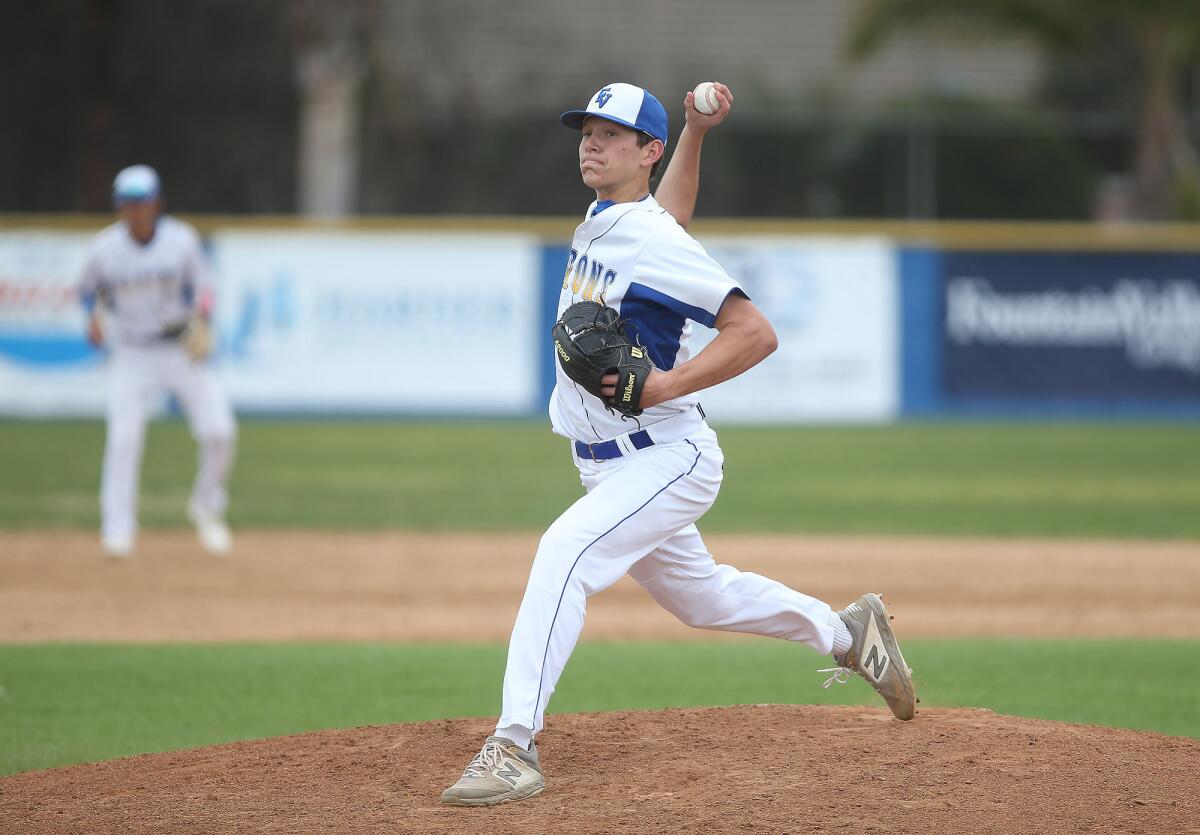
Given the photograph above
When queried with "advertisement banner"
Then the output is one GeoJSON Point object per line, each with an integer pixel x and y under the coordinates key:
{"type": "Point", "coordinates": [316, 322]}
{"type": "Point", "coordinates": [46, 364]}
{"type": "Point", "coordinates": [1102, 326]}
{"type": "Point", "coordinates": [342, 322]}
{"type": "Point", "coordinates": [833, 303]}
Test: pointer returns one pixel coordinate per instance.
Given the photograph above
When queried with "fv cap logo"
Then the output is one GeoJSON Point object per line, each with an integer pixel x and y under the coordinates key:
{"type": "Point", "coordinates": [603, 97]}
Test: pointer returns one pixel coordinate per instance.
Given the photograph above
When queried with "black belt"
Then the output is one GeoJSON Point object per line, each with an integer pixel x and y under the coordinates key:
{"type": "Point", "coordinates": [171, 333]}
{"type": "Point", "coordinates": [610, 449]}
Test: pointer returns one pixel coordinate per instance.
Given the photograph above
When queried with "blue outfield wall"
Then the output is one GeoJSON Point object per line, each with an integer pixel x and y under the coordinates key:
{"type": "Point", "coordinates": [554, 260]}
{"type": "Point", "coordinates": [1049, 334]}
{"type": "Point", "coordinates": [920, 332]}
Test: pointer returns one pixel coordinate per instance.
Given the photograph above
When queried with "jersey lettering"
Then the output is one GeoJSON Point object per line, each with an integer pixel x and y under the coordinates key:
{"type": "Point", "coordinates": [570, 263]}
{"type": "Point", "coordinates": [589, 288]}
{"type": "Point", "coordinates": [588, 281]}
{"type": "Point", "coordinates": [609, 278]}
{"type": "Point", "coordinates": [580, 274]}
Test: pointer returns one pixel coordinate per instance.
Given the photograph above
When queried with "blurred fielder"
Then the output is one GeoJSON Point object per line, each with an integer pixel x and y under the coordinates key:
{"type": "Point", "coordinates": [646, 456]}
{"type": "Point", "coordinates": [145, 287]}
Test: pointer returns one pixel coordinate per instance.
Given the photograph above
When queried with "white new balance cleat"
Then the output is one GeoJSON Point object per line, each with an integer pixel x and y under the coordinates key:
{"type": "Point", "coordinates": [875, 656]}
{"type": "Point", "coordinates": [501, 771]}
{"type": "Point", "coordinates": [214, 534]}
{"type": "Point", "coordinates": [117, 547]}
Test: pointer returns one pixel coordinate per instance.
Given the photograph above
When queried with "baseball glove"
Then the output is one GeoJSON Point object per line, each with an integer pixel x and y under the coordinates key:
{"type": "Point", "coordinates": [590, 341]}
{"type": "Point", "coordinates": [196, 338]}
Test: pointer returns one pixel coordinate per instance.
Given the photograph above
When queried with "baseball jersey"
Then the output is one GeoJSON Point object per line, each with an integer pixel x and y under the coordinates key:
{"type": "Point", "coordinates": [636, 259]}
{"type": "Point", "coordinates": [148, 288]}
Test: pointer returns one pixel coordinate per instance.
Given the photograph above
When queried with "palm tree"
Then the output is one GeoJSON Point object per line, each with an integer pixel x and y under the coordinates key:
{"type": "Point", "coordinates": [1166, 36]}
{"type": "Point", "coordinates": [332, 47]}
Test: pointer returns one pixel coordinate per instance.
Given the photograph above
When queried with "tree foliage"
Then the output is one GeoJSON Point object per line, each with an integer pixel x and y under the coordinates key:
{"type": "Point", "coordinates": [1165, 35]}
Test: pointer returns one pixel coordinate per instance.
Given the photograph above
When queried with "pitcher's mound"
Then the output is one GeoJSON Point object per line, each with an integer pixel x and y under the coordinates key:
{"type": "Point", "coordinates": [769, 768]}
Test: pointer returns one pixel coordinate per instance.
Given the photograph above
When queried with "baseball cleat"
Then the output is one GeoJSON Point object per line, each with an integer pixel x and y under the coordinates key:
{"type": "Point", "coordinates": [212, 531]}
{"type": "Point", "coordinates": [875, 656]}
{"type": "Point", "coordinates": [117, 547]}
{"type": "Point", "coordinates": [500, 772]}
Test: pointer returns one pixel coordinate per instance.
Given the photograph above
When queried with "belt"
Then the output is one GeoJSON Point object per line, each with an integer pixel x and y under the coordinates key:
{"type": "Point", "coordinates": [171, 333]}
{"type": "Point", "coordinates": [610, 449]}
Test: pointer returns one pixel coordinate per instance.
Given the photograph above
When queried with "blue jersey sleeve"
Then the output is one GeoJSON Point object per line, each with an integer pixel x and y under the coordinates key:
{"type": "Point", "coordinates": [674, 281]}
{"type": "Point", "coordinates": [676, 273]}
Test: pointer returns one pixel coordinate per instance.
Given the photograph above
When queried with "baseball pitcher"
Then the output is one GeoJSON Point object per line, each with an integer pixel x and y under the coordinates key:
{"type": "Point", "coordinates": [634, 285]}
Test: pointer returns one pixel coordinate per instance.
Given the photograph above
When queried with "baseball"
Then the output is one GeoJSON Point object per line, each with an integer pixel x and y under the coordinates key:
{"type": "Point", "coordinates": [706, 97]}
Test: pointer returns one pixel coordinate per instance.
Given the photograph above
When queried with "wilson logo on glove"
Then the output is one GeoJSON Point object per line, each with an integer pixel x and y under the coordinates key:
{"type": "Point", "coordinates": [590, 342]}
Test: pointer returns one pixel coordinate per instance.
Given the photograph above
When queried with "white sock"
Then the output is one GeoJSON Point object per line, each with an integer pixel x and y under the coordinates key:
{"type": "Point", "coordinates": [842, 639]}
{"type": "Point", "coordinates": [518, 734]}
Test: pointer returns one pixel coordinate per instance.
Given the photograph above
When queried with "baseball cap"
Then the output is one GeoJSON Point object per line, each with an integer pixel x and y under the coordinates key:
{"type": "Point", "coordinates": [135, 184]}
{"type": "Point", "coordinates": [625, 104]}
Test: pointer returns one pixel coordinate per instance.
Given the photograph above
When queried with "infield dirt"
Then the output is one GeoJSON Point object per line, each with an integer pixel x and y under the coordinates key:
{"type": "Point", "coordinates": [770, 768]}
{"type": "Point", "coordinates": [404, 586]}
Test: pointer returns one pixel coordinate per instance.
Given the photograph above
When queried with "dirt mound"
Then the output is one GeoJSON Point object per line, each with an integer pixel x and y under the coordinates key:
{"type": "Point", "coordinates": [767, 768]}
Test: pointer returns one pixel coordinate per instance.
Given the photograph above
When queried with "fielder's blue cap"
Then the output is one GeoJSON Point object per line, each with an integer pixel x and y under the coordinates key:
{"type": "Point", "coordinates": [136, 184]}
{"type": "Point", "coordinates": [625, 104]}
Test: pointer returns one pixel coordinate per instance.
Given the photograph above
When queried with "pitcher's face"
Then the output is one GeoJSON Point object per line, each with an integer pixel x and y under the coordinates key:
{"type": "Point", "coordinates": [609, 156]}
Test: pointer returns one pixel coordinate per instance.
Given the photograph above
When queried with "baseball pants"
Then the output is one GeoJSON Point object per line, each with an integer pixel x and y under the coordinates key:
{"type": "Point", "coordinates": [638, 516]}
{"type": "Point", "coordinates": [139, 375]}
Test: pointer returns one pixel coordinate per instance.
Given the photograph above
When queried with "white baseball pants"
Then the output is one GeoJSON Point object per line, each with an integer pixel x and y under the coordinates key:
{"type": "Point", "coordinates": [139, 375]}
{"type": "Point", "coordinates": [638, 517]}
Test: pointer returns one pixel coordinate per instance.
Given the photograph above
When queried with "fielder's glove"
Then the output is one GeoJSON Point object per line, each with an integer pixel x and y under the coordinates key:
{"type": "Point", "coordinates": [590, 342]}
{"type": "Point", "coordinates": [196, 338]}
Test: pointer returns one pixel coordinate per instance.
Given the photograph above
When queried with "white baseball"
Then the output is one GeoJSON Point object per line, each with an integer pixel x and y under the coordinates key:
{"type": "Point", "coordinates": [706, 97]}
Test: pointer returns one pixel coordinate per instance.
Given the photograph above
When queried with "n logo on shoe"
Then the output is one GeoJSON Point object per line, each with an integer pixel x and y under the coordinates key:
{"type": "Point", "coordinates": [875, 659]}
{"type": "Point", "coordinates": [509, 774]}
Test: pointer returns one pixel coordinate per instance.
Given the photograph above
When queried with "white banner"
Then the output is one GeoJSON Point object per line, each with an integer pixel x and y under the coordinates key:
{"type": "Point", "coordinates": [342, 322]}
{"type": "Point", "coordinates": [834, 305]}
{"type": "Point", "coordinates": [333, 322]}
{"type": "Point", "coordinates": [46, 364]}
{"type": "Point", "coordinates": [391, 322]}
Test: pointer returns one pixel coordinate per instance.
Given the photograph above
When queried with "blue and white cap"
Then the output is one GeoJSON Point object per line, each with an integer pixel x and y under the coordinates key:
{"type": "Point", "coordinates": [136, 184]}
{"type": "Point", "coordinates": [626, 105]}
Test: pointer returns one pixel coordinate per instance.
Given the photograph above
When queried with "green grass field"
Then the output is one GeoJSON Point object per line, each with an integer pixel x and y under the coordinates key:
{"type": "Point", "coordinates": [1096, 480]}
{"type": "Point", "coordinates": [62, 704]}
{"type": "Point", "coordinates": [76, 703]}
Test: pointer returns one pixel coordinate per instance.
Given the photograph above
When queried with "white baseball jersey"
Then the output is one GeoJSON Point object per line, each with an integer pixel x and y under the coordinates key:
{"type": "Point", "coordinates": [148, 288]}
{"type": "Point", "coordinates": [636, 259]}
{"type": "Point", "coordinates": [639, 513]}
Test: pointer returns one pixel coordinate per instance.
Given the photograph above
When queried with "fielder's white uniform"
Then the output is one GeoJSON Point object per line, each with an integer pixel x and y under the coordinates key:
{"type": "Point", "coordinates": [150, 291]}
{"type": "Point", "coordinates": [647, 479]}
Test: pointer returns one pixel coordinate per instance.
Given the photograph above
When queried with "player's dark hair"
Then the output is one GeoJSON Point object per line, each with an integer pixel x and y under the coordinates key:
{"type": "Point", "coordinates": [644, 139]}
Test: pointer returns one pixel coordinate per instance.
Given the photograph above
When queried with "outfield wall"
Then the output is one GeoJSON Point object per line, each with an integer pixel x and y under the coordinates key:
{"type": "Point", "coordinates": [1081, 333]}
{"type": "Point", "coordinates": [874, 326]}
